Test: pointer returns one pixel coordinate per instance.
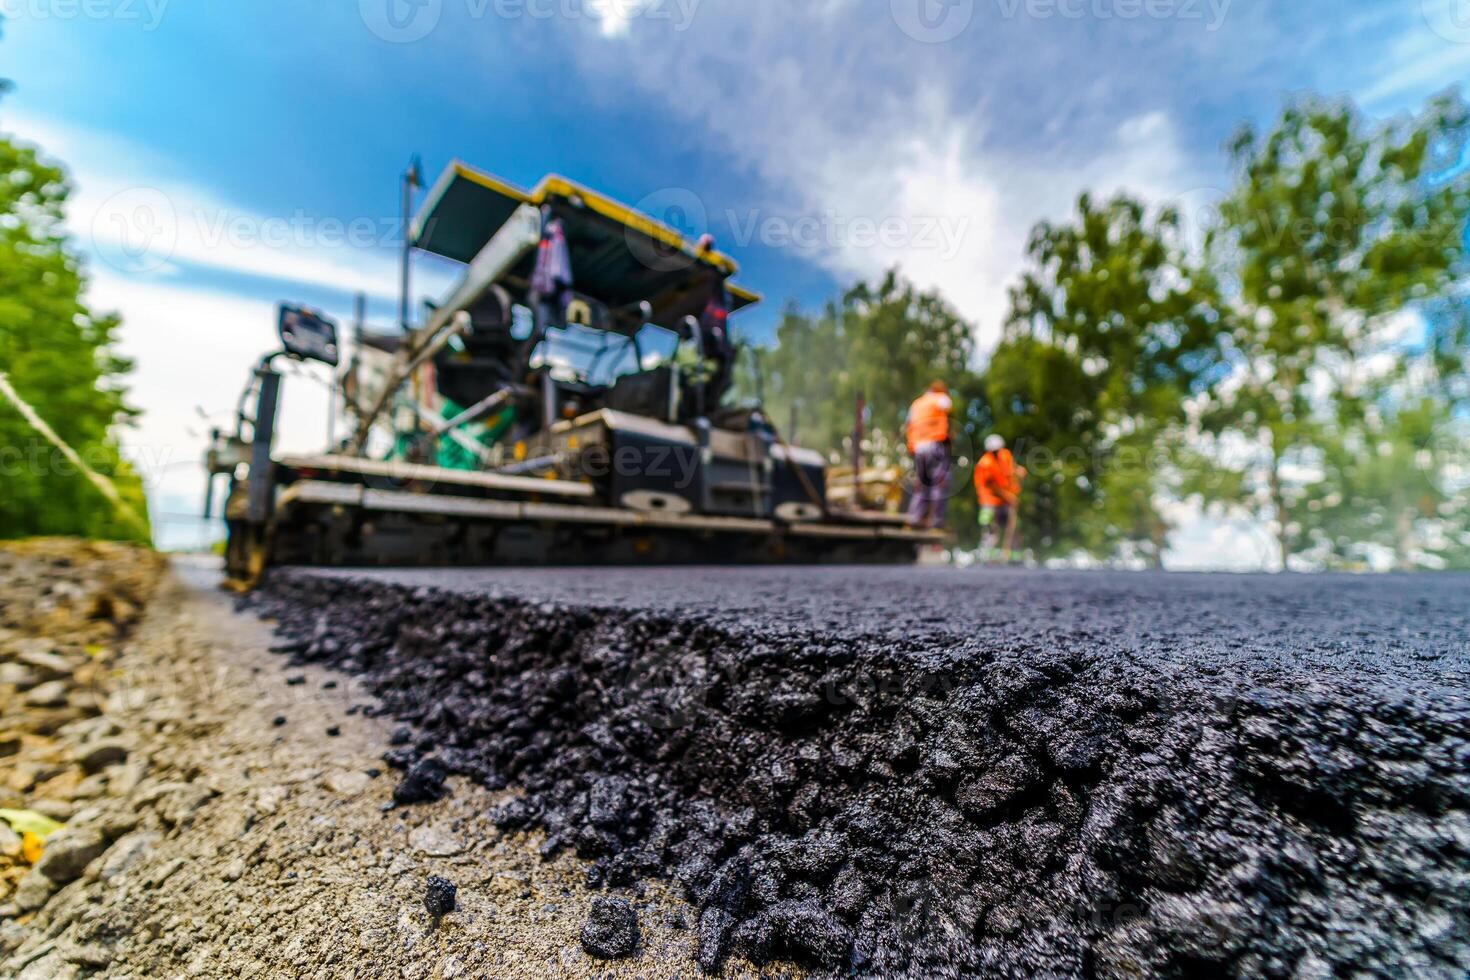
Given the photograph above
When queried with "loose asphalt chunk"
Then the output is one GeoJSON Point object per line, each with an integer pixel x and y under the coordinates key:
{"type": "Point", "coordinates": [422, 783]}
{"type": "Point", "coordinates": [439, 897]}
{"type": "Point", "coordinates": [611, 930]}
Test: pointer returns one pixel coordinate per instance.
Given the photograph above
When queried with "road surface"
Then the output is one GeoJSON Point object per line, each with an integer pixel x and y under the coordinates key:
{"type": "Point", "coordinates": [950, 772]}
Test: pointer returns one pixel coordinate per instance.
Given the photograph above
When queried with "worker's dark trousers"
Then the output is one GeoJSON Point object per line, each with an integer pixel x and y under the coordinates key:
{"type": "Point", "coordinates": [930, 501]}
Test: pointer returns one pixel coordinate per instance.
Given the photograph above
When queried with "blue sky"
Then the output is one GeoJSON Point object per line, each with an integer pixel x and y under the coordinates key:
{"type": "Point", "coordinates": [820, 141]}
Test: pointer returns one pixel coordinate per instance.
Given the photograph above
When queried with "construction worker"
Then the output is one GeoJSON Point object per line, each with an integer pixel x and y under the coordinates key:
{"type": "Point", "coordinates": [714, 323]}
{"type": "Point", "coordinates": [551, 285]}
{"type": "Point", "coordinates": [998, 488]}
{"type": "Point", "coordinates": [928, 431]}
{"type": "Point", "coordinates": [551, 277]}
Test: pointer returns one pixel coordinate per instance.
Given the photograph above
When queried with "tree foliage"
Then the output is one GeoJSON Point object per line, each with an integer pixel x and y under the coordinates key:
{"type": "Point", "coordinates": [1304, 364]}
{"type": "Point", "coordinates": [1397, 477]}
{"type": "Point", "coordinates": [1112, 330]}
{"type": "Point", "coordinates": [884, 341]}
{"type": "Point", "coordinates": [1336, 243]}
{"type": "Point", "coordinates": [60, 358]}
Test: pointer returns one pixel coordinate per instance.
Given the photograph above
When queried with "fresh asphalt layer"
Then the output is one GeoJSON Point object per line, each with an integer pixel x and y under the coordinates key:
{"type": "Point", "coordinates": [951, 773]}
{"type": "Point", "coordinates": [1405, 632]}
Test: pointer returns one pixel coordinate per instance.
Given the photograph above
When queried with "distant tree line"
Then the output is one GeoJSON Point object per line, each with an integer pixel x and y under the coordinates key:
{"type": "Point", "coordinates": [1299, 358]}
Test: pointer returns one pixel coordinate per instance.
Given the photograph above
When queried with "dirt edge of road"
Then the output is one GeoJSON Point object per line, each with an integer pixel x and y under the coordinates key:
{"type": "Point", "coordinates": [238, 818]}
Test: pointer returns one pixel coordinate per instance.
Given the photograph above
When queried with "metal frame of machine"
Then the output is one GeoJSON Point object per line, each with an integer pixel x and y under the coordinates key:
{"type": "Point", "coordinates": [640, 468]}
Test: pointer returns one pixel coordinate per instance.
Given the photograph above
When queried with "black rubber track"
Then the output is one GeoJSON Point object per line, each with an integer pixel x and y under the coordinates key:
{"type": "Point", "coordinates": [939, 773]}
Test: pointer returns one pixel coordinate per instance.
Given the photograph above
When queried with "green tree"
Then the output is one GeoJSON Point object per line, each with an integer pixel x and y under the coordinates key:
{"type": "Point", "coordinates": [1395, 480]}
{"type": "Point", "coordinates": [59, 356]}
{"type": "Point", "coordinates": [1112, 330]}
{"type": "Point", "coordinates": [1319, 335]}
{"type": "Point", "coordinates": [1037, 393]}
{"type": "Point", "coordinates": [801, 400]}
{"type": "Point", "coordinates": [884, 341]}
{"type": "Point", "coordinates": [1336, 228]}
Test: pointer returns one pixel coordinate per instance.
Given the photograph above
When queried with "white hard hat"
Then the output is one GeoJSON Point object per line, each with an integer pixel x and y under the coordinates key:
{"type": "Point", "coordinates": [994, 444]}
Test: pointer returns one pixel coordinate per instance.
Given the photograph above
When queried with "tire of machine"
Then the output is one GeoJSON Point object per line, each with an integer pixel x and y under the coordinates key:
{"type": "Point", "coordinates": [247, 553]}
{"type": "Point", "coordinates": [236, 552]}
{"type": "Point", "coordinates": [652, 502]}
{"type": "Point", "coordinates": [247, 546]}
{"type": "Point", "coordinates": [796, 512]}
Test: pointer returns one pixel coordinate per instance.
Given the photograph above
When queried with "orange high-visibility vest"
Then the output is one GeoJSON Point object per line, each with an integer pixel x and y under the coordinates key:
{"type": "Point", "coordinates": [929, 419]}
{"type": "Point", "coordinates": [995, 475]}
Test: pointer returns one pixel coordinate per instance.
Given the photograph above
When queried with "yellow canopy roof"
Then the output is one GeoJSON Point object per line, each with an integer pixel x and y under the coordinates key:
{"type": "Point", "coordinates": [611, 244]}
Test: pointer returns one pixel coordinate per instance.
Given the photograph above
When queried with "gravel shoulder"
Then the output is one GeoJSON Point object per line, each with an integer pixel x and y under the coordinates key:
{"type": "Point", "coordinates": [249, 833]}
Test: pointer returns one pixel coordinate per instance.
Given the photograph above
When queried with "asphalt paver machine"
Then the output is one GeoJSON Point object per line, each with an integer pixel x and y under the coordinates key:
{"type": "Point", "coordinates": [566, 403]}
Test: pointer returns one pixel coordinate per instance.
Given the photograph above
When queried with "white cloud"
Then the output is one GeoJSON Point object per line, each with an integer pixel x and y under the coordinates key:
{"type": "Point", "coordinates": [1205, 543]}
{"type": "Point", "coordinates": [948, 203]}
{"type": "Point", "coordinates": [873, 153]}
{"type": "Point", "coordinates": [1418, 67]}
{"type": "Point", "coordinates": [1430, 51]}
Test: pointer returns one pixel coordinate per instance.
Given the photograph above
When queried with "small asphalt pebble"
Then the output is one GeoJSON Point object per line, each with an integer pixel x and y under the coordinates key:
{"type": "Point", "coordinates": [333, 731]}
{"type": "Point", "coordinates": [278, 720]}
{"type": "Point", "coordinates": [329, 686]}
{"type": "Point", "coordinates": [295, 681]}
{"type": "Point", "coordinates": [439, 896]}
{"type": "Point", "coordinates": [422, 783]}
{"type": "Point", "coordinates": [611, 930]}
